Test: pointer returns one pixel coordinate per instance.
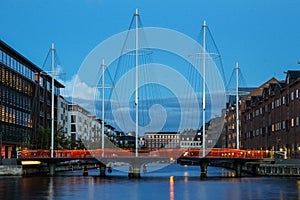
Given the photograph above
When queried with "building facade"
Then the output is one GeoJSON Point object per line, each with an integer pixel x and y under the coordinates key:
{"type": "Point", "coordinates": [271, 120]}
{"type": "Point", "coordinates": [62, 115]}
{"type": "Point", "coordinates": [228, 137]}
{"type": "Point", "coordinates": [169, 140]}
{"type": "Point", "coordinates": [82, 125]}
{"type": "Point", "coordinates": [25, 101]}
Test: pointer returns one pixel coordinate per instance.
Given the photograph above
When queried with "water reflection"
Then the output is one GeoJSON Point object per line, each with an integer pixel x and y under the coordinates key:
{"type": "Point", "coordinates": [50, 190]}
{"type": "Point", "coordinates": [171, 183]}
{"type": "Point", "coordinates": [172, 188]}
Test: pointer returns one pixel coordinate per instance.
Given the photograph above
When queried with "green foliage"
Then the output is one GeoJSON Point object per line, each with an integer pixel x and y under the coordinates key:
{"type": "Point", "coordinates": [42, 138]}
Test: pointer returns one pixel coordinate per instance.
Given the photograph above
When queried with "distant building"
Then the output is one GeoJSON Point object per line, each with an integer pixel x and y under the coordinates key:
{"type": "Point", "coordinates": [83, 125]}
{"type": "Point", "coordinates": [191, 139]}
{"type": "Point", "coordinates": [62, 115]}
{"type": "Point", "coordinates": [25, 101]}
{"type": "Point", "coordinates": [228, 137]}
{"type": "Point", "coordinates": [169, 140]}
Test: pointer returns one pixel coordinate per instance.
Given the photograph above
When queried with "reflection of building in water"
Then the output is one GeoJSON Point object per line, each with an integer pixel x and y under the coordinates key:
{"type": "Point", "coordinates": [169, 140]}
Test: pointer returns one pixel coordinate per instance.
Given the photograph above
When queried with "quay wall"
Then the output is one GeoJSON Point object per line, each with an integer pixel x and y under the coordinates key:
{"type": "Point", "coordinates": [11, 170]}
{"type": "Point", "coordinates": [36, 170]}
{"type": "Point", "coordinates": [280, 167]}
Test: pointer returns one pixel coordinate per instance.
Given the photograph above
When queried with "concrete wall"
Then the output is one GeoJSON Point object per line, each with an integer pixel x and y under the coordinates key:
{"type": "Point", "coordinates": [11, 170]}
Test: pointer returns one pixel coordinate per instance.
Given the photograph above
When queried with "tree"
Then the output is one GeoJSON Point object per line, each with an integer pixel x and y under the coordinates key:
{"type": "Point", "coordinates": [43, 138]}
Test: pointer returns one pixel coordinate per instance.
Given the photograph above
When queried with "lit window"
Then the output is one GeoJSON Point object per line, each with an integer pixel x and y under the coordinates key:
{"type": "Point", "coordinates": [292, 122]}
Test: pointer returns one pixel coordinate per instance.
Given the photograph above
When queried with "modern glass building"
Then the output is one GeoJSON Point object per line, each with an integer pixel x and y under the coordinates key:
{"type": "Point", "coordinates": [25, 101]}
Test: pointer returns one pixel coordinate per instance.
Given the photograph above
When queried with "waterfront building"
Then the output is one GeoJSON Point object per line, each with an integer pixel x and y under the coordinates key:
{"type": "Point", "coordinates": [158, 140]}
{"type": "Point", "coordinates": [270, 119]}
{"type": "Point", "coordinates": [227, 138]}
{"type": "Point", "coordinates": [83, 125]}
{"type": "Point", "coordinates": [255, 118]}
{"type": "Point", "coordinates": [191, 138]}
{"type": "Point", "coordinates": [25, 101]}
{"type": "Point", "coordinates": [62, 115]}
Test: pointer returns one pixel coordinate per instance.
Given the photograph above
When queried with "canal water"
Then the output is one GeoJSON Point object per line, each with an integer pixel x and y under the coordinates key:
{"type": "Point", "coordinates": [171, 182]}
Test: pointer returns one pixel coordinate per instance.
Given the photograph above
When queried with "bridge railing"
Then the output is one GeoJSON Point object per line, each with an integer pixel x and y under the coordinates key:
{"type": "Point", "coordinates": [98, 153]}
{"type": "Point", "coordinates": [162, 153]}
{"type": "Point", "coordinates": [227, 153]}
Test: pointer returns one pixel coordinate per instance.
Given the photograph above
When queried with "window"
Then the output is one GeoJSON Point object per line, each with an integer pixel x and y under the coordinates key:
{"type": "Point", "coordinates": [73, 128]}
{"type": "Point", "coordinates": [292, 122]}
{"type": "Point", "coordinates": [257, 112]}
{"type": "Point", "coordinates": [0, 56]}
{"type": "Point", "coordinates": [283, 125]}
{"type": "Point", "coordinates": [73, 118]}
{"type": "Point", "coordinates": [297, 121]}
{"type": "Point", "coordinates": [283, 100]}
{"type": "Point", "coordinates": [267, 108]}
{"type": "Point", "coordinates": [297, 94]}
{"type": "Point", "coordinates": [278, 102]}
{"type": "Point", "coordinates": [292, 96]}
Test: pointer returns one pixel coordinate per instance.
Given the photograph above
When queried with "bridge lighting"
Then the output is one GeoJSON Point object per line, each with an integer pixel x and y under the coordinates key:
{"type": "Point", "coordinates": [30, 162]}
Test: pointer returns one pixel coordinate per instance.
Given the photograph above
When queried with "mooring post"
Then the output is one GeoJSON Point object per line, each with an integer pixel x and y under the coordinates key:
{"type": "Point", "coordinates": [102, 168]}
{"type": "Point", "coordinates": [203, 166]}
{"type": "Point", "coordinates": [135, 168]}
{"type": "Point", "coordinates": [134, 171]}
{"type": "Point", "coordinates": [238, 169]}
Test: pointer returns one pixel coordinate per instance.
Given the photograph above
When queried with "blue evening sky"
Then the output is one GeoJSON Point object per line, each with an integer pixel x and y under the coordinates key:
{"type": "Point", "coordinates": [263, 36]}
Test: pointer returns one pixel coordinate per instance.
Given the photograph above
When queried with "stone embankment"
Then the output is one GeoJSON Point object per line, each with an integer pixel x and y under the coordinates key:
{"type": "Point", "coordinates": [280, 167]}
{"type": "Point", "coordinates": [10, 167]}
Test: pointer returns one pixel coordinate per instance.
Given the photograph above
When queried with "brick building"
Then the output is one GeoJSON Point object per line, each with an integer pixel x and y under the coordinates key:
{"type": "Point", "coordinates": [270, 118]}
